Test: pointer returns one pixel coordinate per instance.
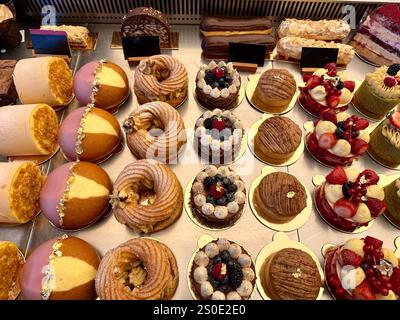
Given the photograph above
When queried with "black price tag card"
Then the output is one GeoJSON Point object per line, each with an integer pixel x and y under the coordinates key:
{"type": "Point", "coordinates": [53, 43]}
{"type": "Point", "coordinates": [247, 53]}
{"type": "Point", "coordinates": [143, 46]}
{"type": "Point", "coordinates": [317, 57]}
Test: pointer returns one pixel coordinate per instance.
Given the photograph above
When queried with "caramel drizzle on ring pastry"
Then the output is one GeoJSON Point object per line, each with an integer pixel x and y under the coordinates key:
{"type": "Point", "coordinates": [117, 277]}
{"type": "Point", "coordinates": [61, 204]}
{"type": "Point", "coordinates": [49, 281]}
{"type": "Point", "coordinates": [152, 175]}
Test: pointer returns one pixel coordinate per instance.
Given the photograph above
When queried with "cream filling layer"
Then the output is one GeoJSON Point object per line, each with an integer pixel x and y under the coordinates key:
{"type": "Point", "coordinates": [99, 125]}
{"type": "Point", "coordinates": [107, 76]}
{"type": "Point", "coordinates": [84, 188]}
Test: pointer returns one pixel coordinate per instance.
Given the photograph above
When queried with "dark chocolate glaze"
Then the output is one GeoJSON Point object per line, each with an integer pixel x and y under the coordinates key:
{"type": "Point", "coordinates": [234, 24]}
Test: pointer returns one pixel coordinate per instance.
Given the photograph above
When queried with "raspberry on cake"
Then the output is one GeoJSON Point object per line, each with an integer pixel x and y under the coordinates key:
{"type": "Point", "coordinates": [217, 197]}
{"type": "Point", "coordinates": [361, 269]}
{"type": "Point", "coordinates": [218, 136]}
{"type": "Point", "coordinates": [218, 85]}
{"type": "Point", "coordinates": [222, 270]}
{"type": "Point", "coordinates": [338, 139]}
{"type": "Point", "coordinates": [349, 199]}
{"type": "Point", "coordinates": [326, 88]}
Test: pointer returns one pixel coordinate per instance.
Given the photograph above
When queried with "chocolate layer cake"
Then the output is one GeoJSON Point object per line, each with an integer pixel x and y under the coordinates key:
{"type": "Point", "coordinates": [8, 94]}
{"type": "Point", "coordinates": [378, 38]}
{"type": "Point", "coordinates": [143, 21]}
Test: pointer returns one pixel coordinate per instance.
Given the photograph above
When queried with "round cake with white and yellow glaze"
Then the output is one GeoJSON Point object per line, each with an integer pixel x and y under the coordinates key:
{"type": "Point", "coordinates": [44, 80]}
{"type": "Point", "coordinates": [28, 130]}
{"type": "Point", "coordinates": [89, 134]}
{"type": "Point", "coordinates": [379, 92]}
{"type": "Point", "coordinates": [62, 268]}
{"type": "Point", "coordinates": [21, 183]}
{"type": "Point", "coordinates": [75, 195]}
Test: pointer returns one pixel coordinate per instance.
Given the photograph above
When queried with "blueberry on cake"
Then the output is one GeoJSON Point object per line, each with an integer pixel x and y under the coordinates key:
{"type": "Point", "coordinates": [218, 85]}
{"type": "Point", "coordinates": [218, 136]}
{"type": "Point", "coordinates": [217, 197]}
{"type": "Point", "coordinates": [222, 270]}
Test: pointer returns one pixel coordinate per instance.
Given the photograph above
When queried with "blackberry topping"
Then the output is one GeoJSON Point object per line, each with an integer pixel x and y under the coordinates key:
{"type": "Point", "coordinates": [213, 282]}
{"type": "Point", "coordinates": [228, 79]}
{"type": "Point", "coordinates": [221, 81]}
{"type": "Point", "coordinates": [208, 183]}
{"type": "Point", "coordinates": [215, 85]}
{"type": "Point", "coordinates": [217, 259]}
{"type": "Point", "coordinates": [226, 182]}
{"type": "Point", "coordinates": [219, 178]}
{"type": "Point", "coordinates": [210, 199]}
{"type": "Point", "coordinates": [232, 188]}
{"type": "Point", "coordinates": [209, 78]}
{"type": "Point", "coordinates": [340, 85]}
{"type": "Point", "coordinates": [223, 201]}
{"type": "Point", "coordinates": [224, 289]}
{"type": "Point", "coordinates": [225, 256]}
{"type": "Point", "coordinates": [345, 189]}
{"type": "Point", "coordinates": [230, 196]}
{"type": "Point", "coordinates": [208, 123]}
{"type": "Point", "coordinates": [235, 278]}
{"type": "Point", "coordinates": [233, 266]}
{"type": "Point", "coordinates": [341, 124]}
{"type": "Point", "coordinates": [209, 270]}
{"type": "Point", "coordinates": [339, 132]}
{"type": "Point", "coordinates": [393, 69]}
{"type": "Point", "coordinates": [224, 281]}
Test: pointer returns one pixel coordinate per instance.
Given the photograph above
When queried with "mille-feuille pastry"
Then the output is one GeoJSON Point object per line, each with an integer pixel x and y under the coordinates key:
{"type": "Point", "coordinates": [326, 88]}
{"type": "Point", "coordinates": [161, 78]}
{"type": "Point", "coordinates": [222, 270]}
{"type": "Point", "coordinates": [277, 139]}
{"type": "Point", "coordinates": [275, 90]}
{"type": "Point", "coordinates": [279, 197]}
{"type": "Point", "coordinates": [291, 274]}
{"type": "Point", "coordinates": [75, 195]}
{"type": "Point", "coordinates": [392, 199]}
{"type": "Point", "coordinates": [139, 269]}
{"type": "Point", "coordinates": [290, 47]}
{"type": "Point", "coordinates": [378, 37]}
{"type": "Point", "coordinates": [78, 36]}
{"type": "Point", "coordinates": [350, 199]}
{"type": "Point", "coordinates": [147, 196]}
{"type": "Point", "coordinates": [218, 136]}
{"type": "Point", "coordinates": [155, 131]}
{"type": "Point", "coordinates": [10, 37]}
{"type": "Point", "coordinates": [218, 85]}
{"type": "Point", "coordinates": [361, 269]}
{"type": "Point", "coordinates": [379, 92]}
{"type": "Point", "coordinates": [63, 268]}
{"type": "Point", "coordinates": [146, 21]}
{"type": "Point", "coordinates": [89, 134]}
{"type": "Point", "coordinates": [338, 138]}
{"type": "Point", "coordinates": [384, 145]}
{"type": "Point", "coordinates": [314, 29]}
{"type": "Point", "coordinates": [52, 81]}
{"type": "Point", "coordinates": [28, 130]}
{"type": "Point", "coordinates": [21, 183]}
{"type": "Point", "coordinates": [8, 93]}
{"type": "Point", "coordinates": [101, 82]}
{"type": "Point", "coordinates": [11, 262]}
{"type": "Point", "coordinates": [217, 197]}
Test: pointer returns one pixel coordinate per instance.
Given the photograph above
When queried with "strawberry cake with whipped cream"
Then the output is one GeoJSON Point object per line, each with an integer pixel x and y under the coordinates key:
{"type": "Point", "coordinates": [338, 138]}
{"type": "Point", "coordinates": [362, 269]}
{"type": "Point", "coordinates": [350, 199]}
{"type": "Point", "coordinates": [326, 88]}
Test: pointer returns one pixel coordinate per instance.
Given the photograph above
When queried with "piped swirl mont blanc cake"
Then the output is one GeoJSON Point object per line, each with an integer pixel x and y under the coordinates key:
{"type": "Point", "coordinates": [338, 138]}
{"type": "Point", "coordinates": [362, 269]}
{"type": "Point", "coordinates": [218, 85]}
{"type": "Point", "coordinates": [217, 197]}
{"type": "Point", "coordinates": [326, 88]}
{"type": "Point", "coordinates": [75, 195]}
{"type": "Point", "coordinates": [385, 140]}
{"type": "Point", "coordinates": [219, 136]}
{"type": "Point", "coordinates": [21, 183]}
{"type": "Point", "coordinates": [101, 82]}
{"type": "Point", "coordinates": [222, 270]}
{"type": "Point", "coordinates": [52, 78]}
{"type": "Point", "coordinates": [89, 134]}
{"type": "Point", "coordinates": [279, 197]}
{"type": "Point", "coordinates": [146, 21]}
{"type": "Point", "coordinates": [290, 274]}
{"type": "Point", "coordinates": [11, 262]}
{"type": "Point", "coordinates": [28, 130]}
{"type": "Point", "coordinates": [380, 92]}
{"type": "Point", "coordinates": [350, 199]}
{"type": "Point", "coordinates": [161, 78]}
{"type": "Point", "coordinates": [62, 268]}
{"type": "Point", "coordinates": [392, 199]}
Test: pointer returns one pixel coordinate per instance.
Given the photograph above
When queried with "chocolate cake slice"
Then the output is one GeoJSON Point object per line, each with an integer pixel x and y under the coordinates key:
{"type": "Point", "coordinates": [8, 94]}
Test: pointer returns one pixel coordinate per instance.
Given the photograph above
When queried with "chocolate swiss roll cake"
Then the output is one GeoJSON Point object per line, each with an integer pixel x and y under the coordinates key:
{"type": "Point", "coordinates": [223, 26]}
{"type": "Point", "coordinates": [277, 140]}
{"type": "Point", "coordinates": [8, 93]}
{"type": "Point", "coordinates": [279, 197]}
{"type": "Point", "coordinates": [143, 21]}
